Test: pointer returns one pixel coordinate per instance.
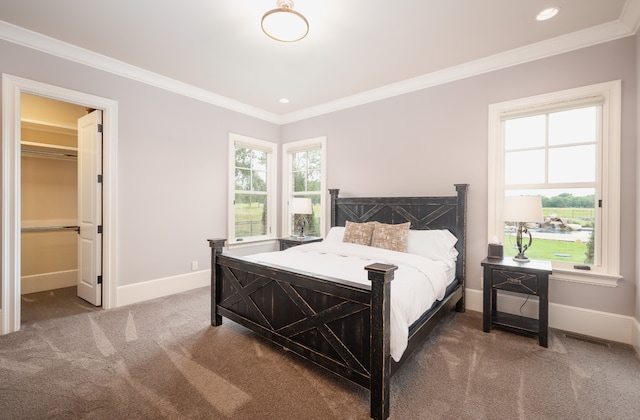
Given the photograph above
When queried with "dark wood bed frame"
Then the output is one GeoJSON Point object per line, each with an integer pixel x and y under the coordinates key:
{"type": "Point", "coordinates": [340, 325]}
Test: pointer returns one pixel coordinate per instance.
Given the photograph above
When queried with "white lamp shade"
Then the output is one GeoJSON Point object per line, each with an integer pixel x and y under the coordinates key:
{"type": "Point", "coordinates": [301, 205]}
{"type": "Point", "coordinates": [285, 24]}
{"type": "Point", "coordinates": [523, 208]}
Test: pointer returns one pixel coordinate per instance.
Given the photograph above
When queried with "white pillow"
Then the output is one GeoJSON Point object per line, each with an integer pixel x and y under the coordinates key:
{"type": "Point", "coordinates": [436, 245]}
{"type": "Point", "coordinates": [335, 234]}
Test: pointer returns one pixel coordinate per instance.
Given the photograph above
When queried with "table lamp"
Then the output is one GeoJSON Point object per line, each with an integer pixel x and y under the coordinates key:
{"type": "Point", "coordinates": [522, 209]}
{"type": "Point", "coordinates": [301, 206]}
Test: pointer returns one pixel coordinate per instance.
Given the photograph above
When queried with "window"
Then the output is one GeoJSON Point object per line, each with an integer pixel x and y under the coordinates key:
{"type": "Point", "coordinates": [252, 192]}
{"type": "Point", "coordinates": [565, 148]}
{"type": "Point", "coordinates": [305, 177]}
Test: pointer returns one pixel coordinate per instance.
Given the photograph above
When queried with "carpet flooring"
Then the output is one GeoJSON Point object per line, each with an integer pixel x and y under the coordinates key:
{"type": "Point", "coordinates": [162, 359]}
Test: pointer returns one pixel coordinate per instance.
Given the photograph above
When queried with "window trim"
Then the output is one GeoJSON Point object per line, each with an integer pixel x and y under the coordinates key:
{"type": "Point", "coordinates": [298, 146]}
{"type": "Point", "coordinates": [608, 274]}
{"type": "Point", "coordinates": [272, 193]}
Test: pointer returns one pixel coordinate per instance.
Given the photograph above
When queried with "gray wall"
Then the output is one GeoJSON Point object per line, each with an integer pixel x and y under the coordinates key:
{"type": "Point", "coordinates": [172, 156]}
{"type": "Point", "coordinates": [425, 141]}
{"type": "Point", "coordinates": [172, 164]}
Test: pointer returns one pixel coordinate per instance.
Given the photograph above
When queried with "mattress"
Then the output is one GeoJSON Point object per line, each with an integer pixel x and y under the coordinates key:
{"type": "Point", "coordinates": [418, 281]}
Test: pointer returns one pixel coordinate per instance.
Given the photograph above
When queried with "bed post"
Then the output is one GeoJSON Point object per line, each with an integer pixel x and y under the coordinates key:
{"type": "Point", "coordinates": [216, 249]}
{"type": "Point", "coordinates": [461, 222]}
{"type": "Point", "coordinates": [333, 192]}
{"type": "Point", "coordinates": [380, 276]}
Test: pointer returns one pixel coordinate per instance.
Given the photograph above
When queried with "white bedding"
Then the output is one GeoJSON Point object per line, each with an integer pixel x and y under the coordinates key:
{"type": "Point", "coordinates": [417, 283]}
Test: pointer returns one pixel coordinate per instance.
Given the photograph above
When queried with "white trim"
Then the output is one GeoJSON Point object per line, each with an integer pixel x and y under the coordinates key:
{"type": "Point", "coordinates": [286, 172]}
{"type": "Point", "coordinates": [153, 289]}
{"type": "Point", "coordinates": [636, 336]}
{"type": "Point", "coordinates": [43, 43]}
{"type": "Point", "coordinates": [560, 45]}
{"type": "Point", "coordinates": [609, 270]}
{"type": "Point", "coordinates": [603, 325]}
{"type": "Point", "coordinates": [12, 87]}
{"type": "Point", "coordinates": [48, 281]}
{"type": "Point", "coordinates": [585, 277]}
{"type": "Point", "coordinates": [625, 26]}
{"type": "Point", "coordinates": [10, 207]}
{"type": "Point", "coordinates": [272, 190]}
{"type": "Point", "coordinates": [630, 16]}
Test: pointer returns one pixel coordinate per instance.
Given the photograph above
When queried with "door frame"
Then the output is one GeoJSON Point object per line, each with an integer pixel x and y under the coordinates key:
{"type": "Point", "coordinates": [12, 88]}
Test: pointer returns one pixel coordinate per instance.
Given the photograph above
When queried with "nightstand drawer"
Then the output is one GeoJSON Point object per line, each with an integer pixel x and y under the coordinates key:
{"type": "Point", "coordinates": [515, 282]}
{"type": "Point", "coordinates": [286, 243]}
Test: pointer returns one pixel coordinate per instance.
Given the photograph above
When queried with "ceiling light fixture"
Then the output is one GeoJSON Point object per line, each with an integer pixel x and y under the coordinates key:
{"type": "Point", "coordinates": [285, 24]}
{"type": "Point", "coordinates": [547, 13]}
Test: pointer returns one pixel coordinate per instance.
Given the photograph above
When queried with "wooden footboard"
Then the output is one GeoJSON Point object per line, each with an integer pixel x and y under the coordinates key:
{"type": "Point", "coordinates": [329, 322]}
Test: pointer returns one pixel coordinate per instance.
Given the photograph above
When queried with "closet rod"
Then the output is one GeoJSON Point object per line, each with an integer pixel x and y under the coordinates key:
{"type": "Point", "coordinates": [42, 152]}
{"type": "Point", "coordinates": [50, 228]}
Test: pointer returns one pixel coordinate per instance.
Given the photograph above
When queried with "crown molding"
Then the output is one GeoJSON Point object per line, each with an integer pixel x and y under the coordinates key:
{"type": "Point", "coordinates": [631, 15]}
{"type": "Point", "coordinates": [48, 45]}
{"type": "Point", "coordinates": [627, 25]}
{"type": "Point", "coordinates": [563, 44]}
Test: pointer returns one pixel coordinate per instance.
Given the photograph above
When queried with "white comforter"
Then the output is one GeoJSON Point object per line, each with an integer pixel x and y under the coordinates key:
{"type": "Point", "coordinates": [417, 283]}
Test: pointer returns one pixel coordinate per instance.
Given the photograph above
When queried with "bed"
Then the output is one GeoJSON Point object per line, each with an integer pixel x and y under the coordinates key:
{"type": "Point", "coordinates": [341, 325]}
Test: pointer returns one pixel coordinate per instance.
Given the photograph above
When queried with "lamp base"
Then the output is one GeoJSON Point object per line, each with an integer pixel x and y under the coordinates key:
{"type": "Point", "coordinates": [521, 258]}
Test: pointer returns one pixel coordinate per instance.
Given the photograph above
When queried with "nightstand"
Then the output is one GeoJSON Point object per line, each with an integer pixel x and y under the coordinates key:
{"type": "Point", "coordinates": [290, 241]}
{"type": "Point", "coordinates": [531, 278]}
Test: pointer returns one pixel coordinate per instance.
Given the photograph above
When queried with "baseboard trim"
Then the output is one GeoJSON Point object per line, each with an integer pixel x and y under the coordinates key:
{"type": "Point", "coordinates": [152, 289]}
{"type": "Point", "coordinates": [48, 281]}
{"type": "Point", "coordinates": [604, 325]}
{"type": "Point", "coordinates": [636, 336]}
{"type": "Point", "coordinates": [613, 327]}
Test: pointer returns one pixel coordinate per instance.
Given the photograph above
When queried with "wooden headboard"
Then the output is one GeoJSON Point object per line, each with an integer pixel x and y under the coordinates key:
{"type": "Point", "coordinates": [423, 212]}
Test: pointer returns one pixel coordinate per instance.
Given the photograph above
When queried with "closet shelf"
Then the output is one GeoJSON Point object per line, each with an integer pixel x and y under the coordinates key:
{"type": "Point", "coordinates": [48, 127]}
{"type": "Point", "coordinates": [49, 149]}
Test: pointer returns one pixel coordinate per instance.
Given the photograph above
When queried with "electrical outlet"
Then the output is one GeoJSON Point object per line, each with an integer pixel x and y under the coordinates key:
{"type": "Point", "coordinates": [194, 265]}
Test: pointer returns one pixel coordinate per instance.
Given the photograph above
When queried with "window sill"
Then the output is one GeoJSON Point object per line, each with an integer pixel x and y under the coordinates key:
{"type": "Point", "coordinates": [588, 277]}
{"type": "Point", "coordinates": [251, 242]}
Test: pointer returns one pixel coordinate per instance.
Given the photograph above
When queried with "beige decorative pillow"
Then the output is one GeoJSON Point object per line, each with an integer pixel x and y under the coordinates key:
{"type": "Point", "coordinates": [393, 237]}
{"type": "Point", "coordinates": [358, 233]}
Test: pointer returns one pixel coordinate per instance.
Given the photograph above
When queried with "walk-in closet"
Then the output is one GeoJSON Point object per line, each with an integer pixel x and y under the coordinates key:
{"type": "Point", "coordinates": [49, 193]}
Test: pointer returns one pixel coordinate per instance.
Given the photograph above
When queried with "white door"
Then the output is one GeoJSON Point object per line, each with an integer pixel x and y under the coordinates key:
{"type": "Point", "coordinates": [90, 207]}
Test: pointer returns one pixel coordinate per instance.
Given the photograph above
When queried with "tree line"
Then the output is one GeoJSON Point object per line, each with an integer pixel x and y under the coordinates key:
{"type": "Point", "coordinates": [565, 200]}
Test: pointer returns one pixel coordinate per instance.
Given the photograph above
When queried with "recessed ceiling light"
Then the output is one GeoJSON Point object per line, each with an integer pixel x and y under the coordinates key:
{"type": "Point", "coordinates": [284, 100]}
{"type": "Point", "coordinates": [547, 13]}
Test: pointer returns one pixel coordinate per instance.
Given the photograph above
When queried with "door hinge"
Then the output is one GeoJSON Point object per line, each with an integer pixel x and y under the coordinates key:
{"type": "Point", "coordinates": [99, 228]}
{"type": "Point", "coordinates": [100, 179]}
{"type": "Point", "coordinates": [99, 128]}
{"type": "Point", "coordinates": [600, 203]}
{"type": "Point", "coordinates": [99, 279]}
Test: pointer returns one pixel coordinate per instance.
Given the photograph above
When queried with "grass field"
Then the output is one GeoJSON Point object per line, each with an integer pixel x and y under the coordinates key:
{"type": "Point", "coordinates": [578, 213]}
{"type": "Point", "coordinates": [548, 249]}
{"type": "Point", "coordinates": [249, 220]}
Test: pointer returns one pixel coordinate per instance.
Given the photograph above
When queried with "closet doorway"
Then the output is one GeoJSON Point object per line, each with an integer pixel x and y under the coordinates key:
{"type": "Point", "coordinates": [61, 197]}
{"type": "Point", "coordinates": [13, 90]}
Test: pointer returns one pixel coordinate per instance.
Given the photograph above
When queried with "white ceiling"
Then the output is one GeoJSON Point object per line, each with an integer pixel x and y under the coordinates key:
{"type": "Point", "coordinates": [356, 50]}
